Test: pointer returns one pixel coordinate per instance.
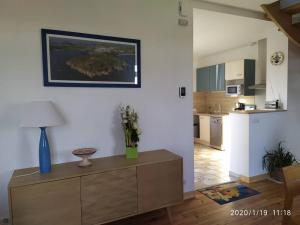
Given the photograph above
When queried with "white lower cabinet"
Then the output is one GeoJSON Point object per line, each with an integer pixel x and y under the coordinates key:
{"type": "Point", "coordinates": [204, 122]}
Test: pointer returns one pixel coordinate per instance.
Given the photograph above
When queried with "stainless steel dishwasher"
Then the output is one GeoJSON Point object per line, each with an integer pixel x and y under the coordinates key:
{"type": "Point", "coordinates": [216, 133]}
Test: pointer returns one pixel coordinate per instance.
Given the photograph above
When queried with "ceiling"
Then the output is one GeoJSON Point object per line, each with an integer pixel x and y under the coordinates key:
{"type": "Point", "coordinates": [245, 4]}
{"type": "Point", "coordinates": [216, 32]}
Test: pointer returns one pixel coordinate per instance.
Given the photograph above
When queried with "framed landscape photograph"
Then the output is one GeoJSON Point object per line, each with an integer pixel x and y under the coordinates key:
{"type": "Point", "coordinates": [85, 60]}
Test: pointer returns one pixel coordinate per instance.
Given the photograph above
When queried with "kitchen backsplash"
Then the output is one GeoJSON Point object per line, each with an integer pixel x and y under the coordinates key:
{"type": "Point", "coordinates": [199, 101]}
{"type": "Point", "coordinates": [210, 101]}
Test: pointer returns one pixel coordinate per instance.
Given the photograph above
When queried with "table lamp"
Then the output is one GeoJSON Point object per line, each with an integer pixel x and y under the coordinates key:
{"type": "Point", "coordinates": [42, 114]}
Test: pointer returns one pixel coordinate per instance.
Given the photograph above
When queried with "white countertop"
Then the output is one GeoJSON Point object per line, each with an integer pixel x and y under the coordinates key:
{"type": "Point", "coordinates": [211, 114]}
{"type": "Point", "coordinates": [258, 111]}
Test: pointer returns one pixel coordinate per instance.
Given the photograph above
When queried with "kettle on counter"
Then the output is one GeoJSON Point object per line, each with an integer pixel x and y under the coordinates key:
{"type": "Point", "coordinates": [239, 106]}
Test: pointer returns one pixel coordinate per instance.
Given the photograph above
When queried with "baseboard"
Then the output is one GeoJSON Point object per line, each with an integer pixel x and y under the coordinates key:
{"type": "Point", "coordinates": [250, 179]}
{"type": "Point", "coordinates": [189, 195]}
{"type": "Point", "coordinates": [235, 175]}
{"type": "Point", "coordinates": [196, 140]}
{"type": "Point", "coordinates": [201, 142]}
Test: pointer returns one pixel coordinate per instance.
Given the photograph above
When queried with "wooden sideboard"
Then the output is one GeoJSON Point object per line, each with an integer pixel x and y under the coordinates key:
{"type": "Point", "coordinates": [111, 189]}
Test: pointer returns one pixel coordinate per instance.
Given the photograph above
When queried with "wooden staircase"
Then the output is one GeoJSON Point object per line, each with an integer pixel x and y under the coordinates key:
{"type": "Point", "coordinates": [286, 15]}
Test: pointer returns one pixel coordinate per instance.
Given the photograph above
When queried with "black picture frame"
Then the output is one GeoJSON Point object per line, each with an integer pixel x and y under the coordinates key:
{"type": "Point", "coordinates": [72, 59]}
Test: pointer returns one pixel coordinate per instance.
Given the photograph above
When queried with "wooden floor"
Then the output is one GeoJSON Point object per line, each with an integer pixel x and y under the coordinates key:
{"type": "Point", "coordinates": [203, 211]}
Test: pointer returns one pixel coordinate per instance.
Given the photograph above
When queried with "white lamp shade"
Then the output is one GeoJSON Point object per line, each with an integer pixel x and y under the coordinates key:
{"type": "Point", "coordinates": [40, 114]}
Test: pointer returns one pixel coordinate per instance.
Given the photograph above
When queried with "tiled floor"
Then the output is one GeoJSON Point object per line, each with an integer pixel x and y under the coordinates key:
{"type": "Point", "coordinates": [211, 167]}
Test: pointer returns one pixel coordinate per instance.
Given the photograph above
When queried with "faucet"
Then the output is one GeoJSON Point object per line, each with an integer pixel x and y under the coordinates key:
{"type": "Point", "coordinates": [220, 108]}
{"type": "Point", "coordinates": [209, 109]}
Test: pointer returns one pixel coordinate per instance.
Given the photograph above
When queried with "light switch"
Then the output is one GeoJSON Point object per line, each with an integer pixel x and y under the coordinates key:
{"type": "Point", "coordinates": [182, 92]}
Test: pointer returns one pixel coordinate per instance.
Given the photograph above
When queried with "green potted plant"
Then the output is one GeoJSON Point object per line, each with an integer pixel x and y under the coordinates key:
{"type": "Point", "coordinates": [274, 160]}
{"type": "Point", "coordinates": [131, 130]}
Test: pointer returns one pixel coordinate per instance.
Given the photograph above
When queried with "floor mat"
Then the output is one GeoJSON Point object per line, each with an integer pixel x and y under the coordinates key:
{"type": "Point", "coordinates": [229, 192]}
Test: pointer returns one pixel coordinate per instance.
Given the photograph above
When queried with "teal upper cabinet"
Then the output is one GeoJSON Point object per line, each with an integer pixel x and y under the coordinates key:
{"type": "Point", "coordinates": [249, 79]}
{"type": "Point", "coordinates": [203, 79]}
{"type": "Point", "coordinates": [211, 78]}
{"type": "Point", "coordinates": [221, 77]}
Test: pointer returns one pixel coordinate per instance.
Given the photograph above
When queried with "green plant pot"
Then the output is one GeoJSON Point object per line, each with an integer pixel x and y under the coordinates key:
{"type": "Point", "coordinates": [131, 153]}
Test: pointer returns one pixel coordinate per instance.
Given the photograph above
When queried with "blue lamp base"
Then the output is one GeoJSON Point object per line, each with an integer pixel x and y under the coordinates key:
{"type": "Point", "coordinates": [44, 152]}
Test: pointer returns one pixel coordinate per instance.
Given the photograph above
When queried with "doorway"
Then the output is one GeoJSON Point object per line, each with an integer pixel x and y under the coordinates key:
{"type": "Point", "coordinates": [221, 39]}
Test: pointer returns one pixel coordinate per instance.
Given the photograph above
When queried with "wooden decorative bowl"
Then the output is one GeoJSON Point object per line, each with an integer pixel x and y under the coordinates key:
{"type": "Point", "coordinates": [84, 153]}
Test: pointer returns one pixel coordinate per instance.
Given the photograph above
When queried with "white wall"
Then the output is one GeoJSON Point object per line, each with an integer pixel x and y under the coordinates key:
{"type": "Point", "coordinates": [293, 118]}
{"type": "Point", "coordinates": [277, 76]}
{"type": "Point", "coordinates": [92, 117]}
{"type": "Point", "coordinates": [246, 52]}
{"type": "Point", "coordinates": [195, 66]}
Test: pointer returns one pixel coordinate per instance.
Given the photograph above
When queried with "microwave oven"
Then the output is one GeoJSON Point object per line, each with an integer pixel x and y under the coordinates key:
{"type": "Point", "coordinates": [234, 90]}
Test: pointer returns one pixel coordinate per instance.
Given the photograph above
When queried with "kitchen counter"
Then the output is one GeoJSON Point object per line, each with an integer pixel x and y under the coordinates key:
{"type": "Point", "coordinates": [211, 114]}
{"type": "Point", "coordinates": [258, 111]}
{"type": "Point", "coordinates": [250, 136]}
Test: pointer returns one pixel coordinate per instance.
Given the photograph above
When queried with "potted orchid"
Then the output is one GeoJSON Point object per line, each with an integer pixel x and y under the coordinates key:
{"type": "Point", "coordinates": [131, 130]}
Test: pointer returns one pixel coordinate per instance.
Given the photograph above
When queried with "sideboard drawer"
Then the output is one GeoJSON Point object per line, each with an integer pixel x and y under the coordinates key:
{"type": "Point", "coordinates": [108, 196]}
{"type": "Point", "coordinates": [49, 203]}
